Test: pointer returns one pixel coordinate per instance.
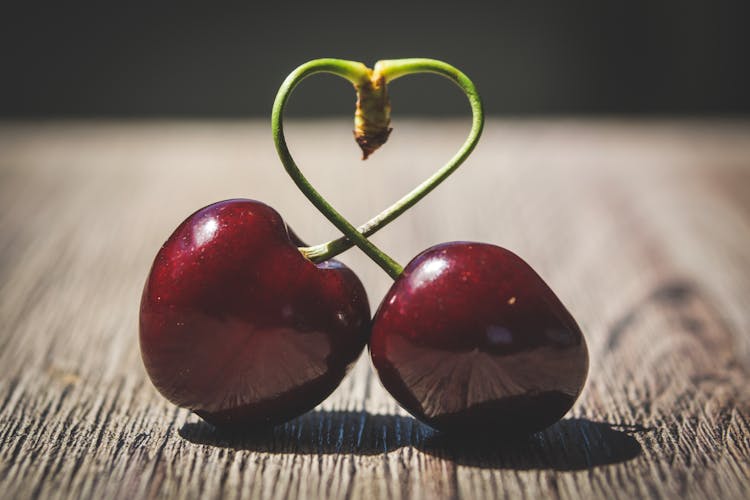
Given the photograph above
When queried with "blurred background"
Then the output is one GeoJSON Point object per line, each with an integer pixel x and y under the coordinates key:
{"type": "Point", "coordinates": [530, 58]}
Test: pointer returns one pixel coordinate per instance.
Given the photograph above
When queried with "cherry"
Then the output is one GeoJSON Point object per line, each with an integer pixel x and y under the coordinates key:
{"type": "Point", "coordinates": [471, 340]}
{"type": "Point", "coordinates": [244, 328]}
{"type": "Point", "coordinates": [238, 326]}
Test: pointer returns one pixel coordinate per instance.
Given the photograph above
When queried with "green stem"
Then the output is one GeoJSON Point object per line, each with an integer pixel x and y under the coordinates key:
{"type": "Point", "coordinates": [391, 70]}
{"type": "Point", "coordinates": [355, 73]}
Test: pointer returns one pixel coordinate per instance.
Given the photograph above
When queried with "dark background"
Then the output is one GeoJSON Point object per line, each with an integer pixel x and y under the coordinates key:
{"type": "Point", "coordinates": [664, 58]}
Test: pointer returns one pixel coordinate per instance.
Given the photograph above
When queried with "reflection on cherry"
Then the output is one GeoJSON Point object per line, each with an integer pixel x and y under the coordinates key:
{"type": "Point", "coordinates": [471, 340]}
{"type": "Point", "coordinates": [239, 327]}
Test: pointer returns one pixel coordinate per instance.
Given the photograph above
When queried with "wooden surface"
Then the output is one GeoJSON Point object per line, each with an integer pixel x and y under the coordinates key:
{"type": "Point", "coordinates": [642, 229]}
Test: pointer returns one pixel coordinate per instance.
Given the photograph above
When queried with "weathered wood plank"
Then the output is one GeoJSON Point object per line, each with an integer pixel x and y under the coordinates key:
{"type": "Point", "coordinates": [643, 230]}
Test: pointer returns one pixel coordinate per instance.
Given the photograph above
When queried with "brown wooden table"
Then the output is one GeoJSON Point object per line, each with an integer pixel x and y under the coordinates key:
{"type": "Point", "coordinates": [641, 227]}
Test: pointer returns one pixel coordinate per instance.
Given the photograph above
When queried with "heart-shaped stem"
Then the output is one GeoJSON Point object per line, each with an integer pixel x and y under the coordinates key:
{"type": "Point", "coordinates": [362, 77]}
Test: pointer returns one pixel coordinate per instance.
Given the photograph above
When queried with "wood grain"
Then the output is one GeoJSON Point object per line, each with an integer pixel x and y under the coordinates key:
{"type": "Point", "coordinates": [642, 228]}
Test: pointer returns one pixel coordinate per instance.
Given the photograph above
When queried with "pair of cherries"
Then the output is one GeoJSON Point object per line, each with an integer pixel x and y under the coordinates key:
{"type": "Point", "coordinates": [247, 327]}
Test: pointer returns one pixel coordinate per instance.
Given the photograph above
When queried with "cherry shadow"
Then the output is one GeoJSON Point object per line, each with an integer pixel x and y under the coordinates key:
{"type": "Point", "coordinates": [571, 444]}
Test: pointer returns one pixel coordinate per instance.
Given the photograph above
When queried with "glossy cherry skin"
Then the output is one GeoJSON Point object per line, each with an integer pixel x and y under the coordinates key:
{"type": "Point", "coordinates": [471, 340]}
{"type": "Point", "coordinates": [238, 326]}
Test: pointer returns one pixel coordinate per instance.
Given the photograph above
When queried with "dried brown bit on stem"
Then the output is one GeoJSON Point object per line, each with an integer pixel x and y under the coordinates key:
{"type": "Point", "coordinates": [372, 118]}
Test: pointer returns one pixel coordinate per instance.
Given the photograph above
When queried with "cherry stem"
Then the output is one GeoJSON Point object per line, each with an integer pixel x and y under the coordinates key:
{"type": "Point", "coordinates": [357, 74]}
{"type": "Point", "coordinates": [392, 70]}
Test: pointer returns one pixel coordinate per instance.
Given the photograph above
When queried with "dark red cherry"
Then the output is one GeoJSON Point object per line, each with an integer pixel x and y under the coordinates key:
{"type": "Point", "coordinates": [238, 326]}
{"type": "Point", "coordinates": [470, 339]}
